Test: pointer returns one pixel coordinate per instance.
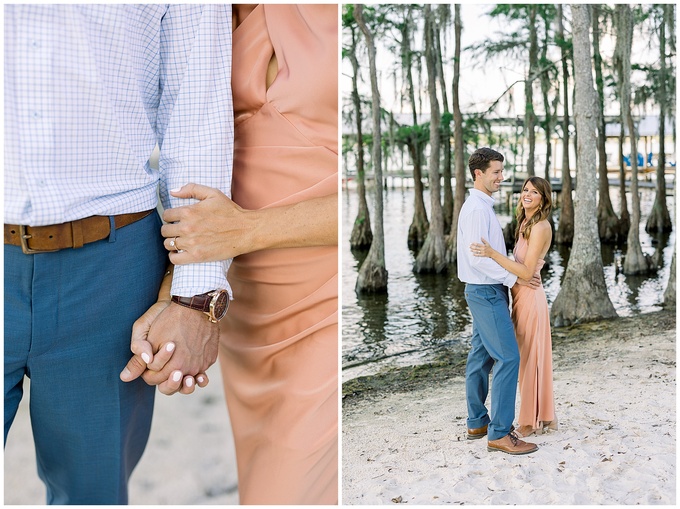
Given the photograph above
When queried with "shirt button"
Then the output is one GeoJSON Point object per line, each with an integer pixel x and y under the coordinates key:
{"type": "Point", "coordinates": [35, 44]}
{"type": "Point", "coordinates": [36, 115]}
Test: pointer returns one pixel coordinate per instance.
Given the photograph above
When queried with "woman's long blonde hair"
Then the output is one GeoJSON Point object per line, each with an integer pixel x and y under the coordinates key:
{"type": "Point", "coordinates": [545, 189]}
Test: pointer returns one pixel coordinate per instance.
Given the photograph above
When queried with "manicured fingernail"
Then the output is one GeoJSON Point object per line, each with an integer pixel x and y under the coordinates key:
{"type": "Point", "coordinates": [177, 376]}
{"type": "Point", "coordinates": [189, 382]}
{"type": "Point", "coordinates": [145, 357]}
{"type": "Point", "coordinates": [170, 347]}
{"type": "Point", "coordinates": [176, 190]}
{"type": "Point", "coordinates": [126, 372]}
{"type": "Point", "coordinates": [200, 379]}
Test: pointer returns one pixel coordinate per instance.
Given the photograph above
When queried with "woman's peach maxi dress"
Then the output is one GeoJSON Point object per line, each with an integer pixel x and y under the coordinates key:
{"type": "Point", "coordinates": [531, 317]}
{"type": "Point", "coordinates": [279, 341]}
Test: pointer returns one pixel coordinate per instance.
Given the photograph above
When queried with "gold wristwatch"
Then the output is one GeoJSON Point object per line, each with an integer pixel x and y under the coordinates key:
{"type": "Point", "coordinates": [214, 304]}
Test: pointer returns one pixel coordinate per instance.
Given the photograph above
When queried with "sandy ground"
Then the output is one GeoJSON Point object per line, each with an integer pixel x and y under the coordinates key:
{"type": "Point", "coordinates": [189, 458]}
{"type": "Point", "coordinates": [615, 395]}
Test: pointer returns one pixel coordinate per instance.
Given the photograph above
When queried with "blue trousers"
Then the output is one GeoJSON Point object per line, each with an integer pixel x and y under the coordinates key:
{"type": "Point", "coordinates": [493, 346]}
{"type": "Point", "coordinates": [68, 320]}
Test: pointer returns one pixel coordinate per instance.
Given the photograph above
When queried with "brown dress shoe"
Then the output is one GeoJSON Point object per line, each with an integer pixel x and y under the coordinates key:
{"type": "Point", "coordinates": [476, 433]}
{"type": "Point", "coordinates": [510, 444]}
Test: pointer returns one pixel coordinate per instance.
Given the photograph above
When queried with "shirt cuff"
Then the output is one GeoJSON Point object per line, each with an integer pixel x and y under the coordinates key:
{"type": "Point", "coordinates": [510, 280]}
{"type": "Point", "coordinates": [198, 278]}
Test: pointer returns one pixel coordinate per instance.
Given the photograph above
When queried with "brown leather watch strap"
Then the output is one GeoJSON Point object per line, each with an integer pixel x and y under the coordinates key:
{"type": "Point", "coordinates": [199, 302]}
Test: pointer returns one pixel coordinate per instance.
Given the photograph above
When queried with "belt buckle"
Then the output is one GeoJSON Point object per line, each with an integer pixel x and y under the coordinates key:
{"type": "Point", "coordinates": [24, 236]}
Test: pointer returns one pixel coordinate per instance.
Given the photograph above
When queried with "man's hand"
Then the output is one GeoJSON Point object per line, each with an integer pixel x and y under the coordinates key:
{"type": "Point", "coordinates": [185, 343]}
{"type": "Point", "coordinates": [196, 343]}
{"type": "Point", "coordinates": [534, 282]}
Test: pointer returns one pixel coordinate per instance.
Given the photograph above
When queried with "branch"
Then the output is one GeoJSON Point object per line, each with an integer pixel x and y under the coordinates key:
{"type": "Point", "coordinates": [528, 81]}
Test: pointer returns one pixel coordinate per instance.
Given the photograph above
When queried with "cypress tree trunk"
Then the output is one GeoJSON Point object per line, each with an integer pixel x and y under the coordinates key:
{"type": "Point", "coordinates": [372, 276]}
{"type": "Point", "coordinates": [431, 257]}
{"type": "Point", "coordinates": [361, 236]}
{"type": "Point", "coordinates": [530, 114]}
{"type": "Point", "coordinates": [659, 219]}
{"type": "Point", "coordinates": [565, 231]}
{"type": "Point", "coordinates": [609, 226]}
{"type": "Point", "coordinates": [583, 295]}
{"type": "Point", "coordinates": [444, 11]}
{"type": "Point", "coordinates": [452, 238]}
{"type": "Point", "coordinates": [419, 225]}
{"type": "Point", "coordinates": [417, 231]}
{"type": "Point", "coordinates": [669, 294]}
{"type": "Point", "coordinates": [635, 261]}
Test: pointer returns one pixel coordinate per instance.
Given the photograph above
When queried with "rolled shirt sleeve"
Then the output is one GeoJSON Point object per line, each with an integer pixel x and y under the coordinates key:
{"type": "Point", "coordinates": [195, 120]}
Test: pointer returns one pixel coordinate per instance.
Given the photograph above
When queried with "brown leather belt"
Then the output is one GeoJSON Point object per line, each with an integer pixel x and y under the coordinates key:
{"type": "Point", "coordinates": [74, 234]}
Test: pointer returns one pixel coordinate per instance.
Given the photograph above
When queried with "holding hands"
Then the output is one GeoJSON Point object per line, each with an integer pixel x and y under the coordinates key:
{"type": "Point", "coordinates": [173, 346]}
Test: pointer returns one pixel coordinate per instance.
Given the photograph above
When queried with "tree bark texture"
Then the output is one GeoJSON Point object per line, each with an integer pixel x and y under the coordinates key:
{"type": "Point", "coordinates": [635, 261]}
{"type": "Point", "coordinates": [609, 226]}
{"type": "Point", "coordinates": [565, 231]}
{"type": "Point", "coordinates": [530, 114]}
{"type": "Point", "coordinates": [361, 236]}
{"type": "Point", "coordinates": [446, 131]}
{"type": "Point", "coordinates": [419, 225]}
{"type": "Point", "coordinates": [583, 295]}
{"type": "Point", "coordinates": [459, 145]}
{"type": "Point", "coordinates": [372, 277]}
{"type": "Point", "coordinates": [669, 294]}
{"type": "Point", "coordinates": [659, 219]}
{"type": "Point", "coordinates": [431, 257]}
{"type": "Point", "coordinates": [417, 231]}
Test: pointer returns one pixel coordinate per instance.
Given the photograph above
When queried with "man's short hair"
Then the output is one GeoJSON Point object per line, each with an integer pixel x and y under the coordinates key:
{"type": "Point", "coordinates": [481, 159]}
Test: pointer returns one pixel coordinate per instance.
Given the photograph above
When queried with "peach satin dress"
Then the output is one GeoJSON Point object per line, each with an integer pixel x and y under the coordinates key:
{"type": "Point", "coordinates": [531, 318]}
{"type": "Point", "coordinates": [279, 340]}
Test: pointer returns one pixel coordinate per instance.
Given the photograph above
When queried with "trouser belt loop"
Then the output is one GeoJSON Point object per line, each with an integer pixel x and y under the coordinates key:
{"type": "Point", "coordinates": [112, 228]}
{"type": "Point", "coordinates": [77, 233]}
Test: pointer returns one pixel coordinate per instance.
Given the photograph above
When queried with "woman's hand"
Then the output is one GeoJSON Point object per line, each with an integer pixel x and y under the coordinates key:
{"type": "Point", "coordinates": [216, 228]}
{"type": "Point", "coordinates": [213, 229]}
{"type": "Point", "coordinates": [483, 250]}
{"type": "Point", "coordinates": [145, 360]}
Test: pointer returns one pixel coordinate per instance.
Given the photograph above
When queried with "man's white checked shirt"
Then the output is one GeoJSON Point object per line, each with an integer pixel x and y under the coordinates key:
{"type": "Point", "coordinates": [91, 89]}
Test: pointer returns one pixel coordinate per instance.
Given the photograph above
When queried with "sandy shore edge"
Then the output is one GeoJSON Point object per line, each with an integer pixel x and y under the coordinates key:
{"type": "Point", "coordinates": [615, 390]}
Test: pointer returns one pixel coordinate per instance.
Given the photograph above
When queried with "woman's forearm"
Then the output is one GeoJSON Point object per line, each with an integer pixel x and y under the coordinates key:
{"type": "Point", "coordinates": [309, 223]}
{"type": "Point", "coordinates": [518, 269]}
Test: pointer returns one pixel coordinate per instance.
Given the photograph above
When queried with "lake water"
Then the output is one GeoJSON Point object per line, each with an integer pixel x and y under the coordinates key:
{"type": "Point", "coordinates": [421, 314]}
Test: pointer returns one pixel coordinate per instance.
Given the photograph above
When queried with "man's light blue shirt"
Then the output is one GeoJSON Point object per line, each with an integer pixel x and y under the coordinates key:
{"type": "Point", "coordinates": [89, 92]}
{"type": "Point", "coordinates": [477, 220]}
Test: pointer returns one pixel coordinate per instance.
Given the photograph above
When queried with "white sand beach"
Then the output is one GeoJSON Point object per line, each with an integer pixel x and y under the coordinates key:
{"type": "Point", "coordinates": [615, 394]}
{"type": "Point", "coordinates": [189, 458]}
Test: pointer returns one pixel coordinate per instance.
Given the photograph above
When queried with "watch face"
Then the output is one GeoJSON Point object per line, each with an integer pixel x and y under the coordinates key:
{"type": "Point", "coordinates": [220, 305]}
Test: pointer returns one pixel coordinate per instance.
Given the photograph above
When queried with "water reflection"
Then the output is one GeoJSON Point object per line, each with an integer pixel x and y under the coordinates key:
{"type": "Point", "coordinates": [423, 313]}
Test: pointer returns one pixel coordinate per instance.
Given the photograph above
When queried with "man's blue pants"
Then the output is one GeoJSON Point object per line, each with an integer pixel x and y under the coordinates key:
{"type": "Point", "coordinates": [493, 346]}
{"type": "Point", "coordinates": [68, 321]}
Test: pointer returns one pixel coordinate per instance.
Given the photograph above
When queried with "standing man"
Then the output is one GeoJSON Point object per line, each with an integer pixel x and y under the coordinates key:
{"type": "Point", "coordinates": [486, 292]}
{"type": "Point", "coordinates": [89, 92]}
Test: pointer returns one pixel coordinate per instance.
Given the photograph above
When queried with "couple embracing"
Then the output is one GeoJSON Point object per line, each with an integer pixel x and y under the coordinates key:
{"type": "Point", "coordinates": [517, 345]}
